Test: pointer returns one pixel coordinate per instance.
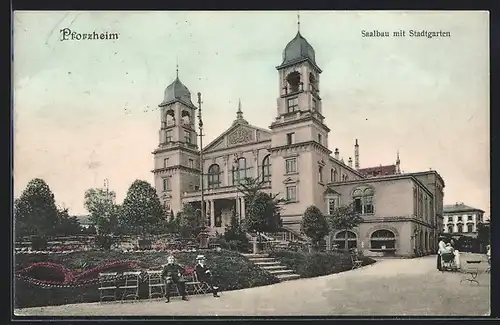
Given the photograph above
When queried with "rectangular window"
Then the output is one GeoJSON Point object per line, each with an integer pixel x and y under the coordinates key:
{"type": "Point", "coordinates": [291, 165]}
{"type": "Point", "coordinates": [450, 219]}
{"type": "Point", "coordinates": [314, 104]}
{"type": "Point", "coordinates": [292, 104]}
{"type": "Point", "coordinates": [320, 174]}
{"type": "Point", "coordinates": [290, 138]}
{"type": "Point", "coordinates": [291, 193]}
{"type": "Point", "coordinates": [358, 207]}
{"type": "Point", "coordinates": [469, 218]}
{"type": "Point", "coordinates": [331, 206]}
{"type": "Point", "coordinates": [191, 163]}
{"type": "Point", "coordinates": [459, 218]}
{"type": "Point", "coordinates": [166, 184]}
{"type": "Point", "coordinates": [187, 136]}
{"type": "Point", "coordinates": [368, 208]}
{"type": "Point", "coordinates": [168, 136]}
{"type": "Point", "coordinates": [320, 139]}
{"type": "Point", "coordinates": [165, 162]}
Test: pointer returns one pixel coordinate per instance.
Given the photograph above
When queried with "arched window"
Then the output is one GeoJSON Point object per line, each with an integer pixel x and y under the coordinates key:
{"type": "Point", "coordinates": [266, 169]}
{"type": "Point", "coordinates": [343, 237]}
{"type": "Point", "coordinates": [335, 175]}
{"type": "Point", "coordinates": [293, 80]}
{"type": "Point", "coordinates": [240, 171]}
{"type": "Point", "coordinates": [383, 239]}
{"type": "Point", "coordinates": [470, 227]}
{"type": "Point", "coordinates": [186, 118]}
{"type": "Point", "coordinates": [312, 83]}
{"type": "Point", "coordinates": [170, 117]}
{"type": "Point", "coordinates": [363, 200]}
{"type": "Point", "coordinates": [320, 174]}
{"type": "Point", "coordinates": [214, 176]}
{"type": "Point", "coordinates": [450, 228]}
{"type": "Point", "coordinates": [460, 228]}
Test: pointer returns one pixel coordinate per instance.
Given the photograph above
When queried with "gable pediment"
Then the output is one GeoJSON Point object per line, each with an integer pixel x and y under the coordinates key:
{"type": "Point", "coordinates": [238, 134]}
{"type": "Point", "coordinates": [290, 180]}
{"type": "Point", "coordinates": [330, 191]}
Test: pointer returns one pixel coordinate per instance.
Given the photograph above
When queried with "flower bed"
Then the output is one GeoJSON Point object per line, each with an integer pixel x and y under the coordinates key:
{"type": "Point", "coordinates": [309, 265]}
{"type": "Point", "coordinates": [55, 279]}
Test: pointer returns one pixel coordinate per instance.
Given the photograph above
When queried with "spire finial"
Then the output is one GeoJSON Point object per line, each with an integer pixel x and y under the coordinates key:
{"type": "Point", "coordinates": [239, 113]}
{"type": "Point", "coordinates": [177, 67]}
{"type": "Point", "coordinates": [298, 21]}
{"type": "Point", "coordinates": [397, 159]}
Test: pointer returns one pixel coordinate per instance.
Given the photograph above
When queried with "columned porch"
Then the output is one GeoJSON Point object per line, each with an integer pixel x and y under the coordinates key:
{"type": "Point", "coordinates": [219, 209]}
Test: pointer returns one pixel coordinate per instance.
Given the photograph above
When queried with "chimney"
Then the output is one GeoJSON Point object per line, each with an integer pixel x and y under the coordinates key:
{"type": "Point", "coordinates": [356, 155]}
{"type": "Point", "coordinates": [398, 164]}
{"type": "Point", "coordinates": [349, 162]}
{"type": "Point", "coordinates": [337, 153]}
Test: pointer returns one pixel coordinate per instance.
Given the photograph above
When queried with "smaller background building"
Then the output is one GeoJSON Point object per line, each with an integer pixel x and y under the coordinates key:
{"type": "Point", "coordinates": [461, 219]}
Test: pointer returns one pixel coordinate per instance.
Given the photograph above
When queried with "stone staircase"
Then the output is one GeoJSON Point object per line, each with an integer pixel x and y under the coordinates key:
{"type": "Point", "coordinates": [272, 266]}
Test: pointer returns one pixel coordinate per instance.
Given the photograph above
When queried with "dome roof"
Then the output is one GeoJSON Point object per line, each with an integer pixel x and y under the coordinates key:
{"type": "Point", "coordinates": [176, 91]}
{"type": "Point", "coordinates": [298, 49]}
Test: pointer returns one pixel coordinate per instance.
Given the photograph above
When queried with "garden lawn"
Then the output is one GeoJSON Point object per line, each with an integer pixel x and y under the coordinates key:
{"type": "Point", "coordinates": [309, 265]}
{"type": "Point", "coordinates": [232, 271]}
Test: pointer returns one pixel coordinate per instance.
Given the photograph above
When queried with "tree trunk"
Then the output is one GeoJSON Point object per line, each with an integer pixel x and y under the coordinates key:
{"type": "Point", "coordinates": [346, 238]}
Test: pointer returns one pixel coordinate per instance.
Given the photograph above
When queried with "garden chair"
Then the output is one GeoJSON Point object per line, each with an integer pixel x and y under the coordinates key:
{"type": "Point", "coordinates": [131, 287]}
{"type": "Point", "coordinates": [194, 285]}
{"type": "Point", "coordinates": [156, 284]}
{"type": "Point", "coordinates": [473, 269]}
{"type": "Point", "coordinates": [356, 262]}
{"type": "Point", "coordinates": [107, 286]}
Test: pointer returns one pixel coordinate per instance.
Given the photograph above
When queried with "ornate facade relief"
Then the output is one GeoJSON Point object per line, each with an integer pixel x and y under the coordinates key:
{"type": "Point", "coordinates": [240, 135]}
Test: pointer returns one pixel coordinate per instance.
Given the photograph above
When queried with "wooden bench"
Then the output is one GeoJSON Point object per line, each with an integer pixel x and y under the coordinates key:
{"type": "Point", "coordinates": [472, 271]}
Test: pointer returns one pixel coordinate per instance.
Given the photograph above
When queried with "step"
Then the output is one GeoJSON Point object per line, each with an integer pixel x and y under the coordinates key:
{"type": "Point", "coordinates": [276, 272]}
{"type": "Point", "coordinates": [287, 277]}
{"type": "Point", "coordinates": [261, 259]}
{"type": "Point", "coordinates": [273, 267]}
{"type": "Point", "coordinates": [266, 263]}
{"type": "Point", "coordinates": [255, 255]}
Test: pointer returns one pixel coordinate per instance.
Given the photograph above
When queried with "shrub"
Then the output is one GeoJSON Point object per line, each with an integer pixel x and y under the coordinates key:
{"type": "Point", "coordinates": [231, 270]}
{"type": "Point", "coordinates": [309, 265]}
{"type": "Point", "coordinates": [38, 243]}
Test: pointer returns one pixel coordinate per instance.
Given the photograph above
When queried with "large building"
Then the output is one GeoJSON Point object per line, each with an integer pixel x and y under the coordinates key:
{"type": "Point", "coordinates": [460, 219]}
{"type": "Point", "coordinates": [402, 211]}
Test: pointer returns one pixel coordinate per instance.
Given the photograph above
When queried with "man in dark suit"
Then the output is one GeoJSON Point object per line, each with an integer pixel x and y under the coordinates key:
{"type": "Point", "coordinates": [172, 273]}
{"type": "Point", "coordinates": [204, 275]}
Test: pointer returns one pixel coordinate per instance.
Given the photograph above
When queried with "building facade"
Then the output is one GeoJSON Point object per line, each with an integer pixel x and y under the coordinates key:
{"type": "Point", "coordinates": [401, 211]}
{"type": "Point", "coordinates": [460, 219]}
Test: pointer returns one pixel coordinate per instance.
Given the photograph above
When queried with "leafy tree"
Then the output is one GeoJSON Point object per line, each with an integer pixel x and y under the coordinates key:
{"type": "Point", "coordinates": [35, 211]}
{"type": "Point", "coordinates": [235, 235]}
{"type": "Point", "coordinates": [173, 223]}
{"type": "Point", "coordinates": [102, 209]}
{"type": "Point", "coordinates": [314, 225]}
{"type": "Point", "coordinates": [262, 210]}
{"type": "Point", "coordinates": [142, 210]}
{"type": "Point", "coordinates": [67, 225]}
{"type": "Point", "coordinates": [484, 232]}
{"type": "Point", "coordinates": [344, 218]}
{"type": "Point", "coordinates": [189, 221]}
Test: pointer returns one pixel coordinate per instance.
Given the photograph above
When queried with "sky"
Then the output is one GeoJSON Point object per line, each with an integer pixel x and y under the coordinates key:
{"type": "Point", "coordinates": [88, 110]}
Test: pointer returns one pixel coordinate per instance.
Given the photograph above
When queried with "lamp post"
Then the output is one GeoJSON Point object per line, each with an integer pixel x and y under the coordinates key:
{"type": "Point", "coordinates": [203, 235]}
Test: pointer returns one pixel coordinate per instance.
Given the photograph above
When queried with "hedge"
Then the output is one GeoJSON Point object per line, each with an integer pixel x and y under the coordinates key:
{"type": "Point", "coordinates": [232, 271]}
{"type": "Point", "coordinates": [309, 265]}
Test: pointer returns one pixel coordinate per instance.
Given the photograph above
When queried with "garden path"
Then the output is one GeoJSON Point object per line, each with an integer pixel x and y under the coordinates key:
{"type": "Point", "coordinates": [389, 287]}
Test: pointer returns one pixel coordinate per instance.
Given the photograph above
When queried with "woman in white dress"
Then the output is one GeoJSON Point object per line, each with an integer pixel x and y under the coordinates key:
{"type": "Point", "coordinates": [457, 256]}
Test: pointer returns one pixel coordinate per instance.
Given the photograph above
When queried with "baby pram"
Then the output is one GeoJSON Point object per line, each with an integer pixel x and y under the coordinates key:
{"type": "Point", "coordinates": [448, 262]}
